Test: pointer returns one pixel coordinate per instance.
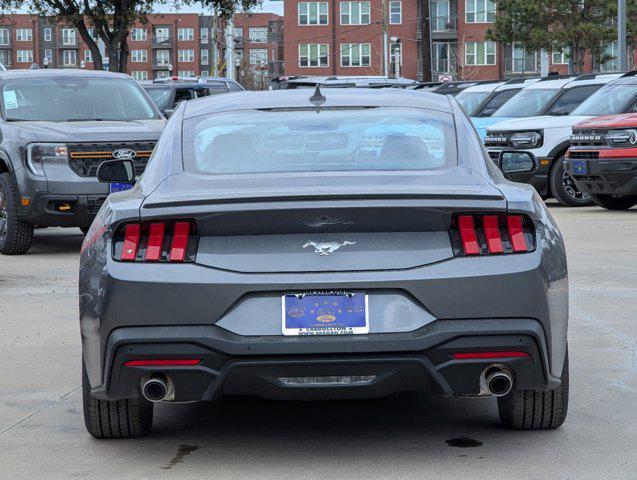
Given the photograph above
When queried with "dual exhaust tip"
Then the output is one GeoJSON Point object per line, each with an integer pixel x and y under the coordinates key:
{"type": "Point", "coordinates": [496, 381]}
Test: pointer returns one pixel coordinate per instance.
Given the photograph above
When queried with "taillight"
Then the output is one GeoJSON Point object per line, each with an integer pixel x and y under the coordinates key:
{"type": "Point", "coordinates": [156, 241]}
{"type": "Point", "coordinates": [491, 234]}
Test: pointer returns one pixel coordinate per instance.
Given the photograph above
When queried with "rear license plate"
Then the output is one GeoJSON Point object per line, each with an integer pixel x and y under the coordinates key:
{"type": "Point", "coordinates": [325, 313]}
{"type": "Point", "coordinates": [580, 167]}
{"type": "Point", "coordinates": [120, 187]}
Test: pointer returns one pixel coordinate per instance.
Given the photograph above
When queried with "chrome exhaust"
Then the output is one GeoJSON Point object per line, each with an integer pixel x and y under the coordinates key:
{"type": "Point", "coordinates": [156, 388]}
{"type": "Point", "coordinates": [498, 382]}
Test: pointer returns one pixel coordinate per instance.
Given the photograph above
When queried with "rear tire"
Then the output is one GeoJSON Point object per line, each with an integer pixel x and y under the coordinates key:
{"type": "Point", "coordinates": [536, 409]}
{"type": "Point", "coordinates": [128, 418]}
{"type": "Point", "coordinates": [615, 202]}
{"type": "Point", "coordinates": [15, 235]}
{"type": "Point", "coordinates": [563, 187]}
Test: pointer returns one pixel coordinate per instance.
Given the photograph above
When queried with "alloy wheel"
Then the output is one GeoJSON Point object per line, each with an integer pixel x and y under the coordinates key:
{"type": "Point", "coordinates": [571, 189]}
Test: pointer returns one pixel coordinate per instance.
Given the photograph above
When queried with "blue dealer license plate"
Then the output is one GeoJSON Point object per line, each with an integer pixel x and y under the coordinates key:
{"type": "Point", "coordinates": [325, 313]}
{"type": "Point", "coordinates": [120, 187]}
{"type": "Point", "coordinates": [580, 167]}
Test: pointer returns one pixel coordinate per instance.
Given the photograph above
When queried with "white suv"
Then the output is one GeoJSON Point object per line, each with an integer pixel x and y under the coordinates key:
{"type": "Point", "coordinates": [543, 140]}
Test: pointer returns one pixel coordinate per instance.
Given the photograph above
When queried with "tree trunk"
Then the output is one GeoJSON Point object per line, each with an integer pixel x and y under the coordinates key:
{"type": "Point", "coordinates": [98, 63]}
{"type": "Point", "coordinates": [123, 55]}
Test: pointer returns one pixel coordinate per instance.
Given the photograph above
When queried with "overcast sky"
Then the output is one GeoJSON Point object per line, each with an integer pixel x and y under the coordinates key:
{"type": "Point", "coordinates": [268, 6]}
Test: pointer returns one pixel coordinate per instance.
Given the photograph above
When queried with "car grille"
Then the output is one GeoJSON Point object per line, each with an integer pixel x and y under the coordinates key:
{"type": "Point", "coordinates": [584, 155]}
{"type": "Point", "coordinates": [589, 138]}
{"type": "Point", "coordinates": [495, 155]}
{"type": "Point", "coordinates": [84, 158]}
{"type": "Point", "coordinates": [93, 205]}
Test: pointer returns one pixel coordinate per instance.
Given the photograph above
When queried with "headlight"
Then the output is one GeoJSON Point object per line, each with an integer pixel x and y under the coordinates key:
{"type": "Point", "coordinates": [622, 138]}
{"type": "Point", "coordinates": [40, 153]}
{"type": "Point", "coordinates": [526, 140]}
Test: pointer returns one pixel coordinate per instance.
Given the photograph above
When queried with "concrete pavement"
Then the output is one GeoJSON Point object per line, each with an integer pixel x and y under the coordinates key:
{"type": "Point", "coordinates": [412, 436]}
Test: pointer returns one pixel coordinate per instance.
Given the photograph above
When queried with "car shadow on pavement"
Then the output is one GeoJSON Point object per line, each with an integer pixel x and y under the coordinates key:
{"type": "Point", "coordinates": [387, 429]}
{"type": "Point", "coordinates": [56, 241]}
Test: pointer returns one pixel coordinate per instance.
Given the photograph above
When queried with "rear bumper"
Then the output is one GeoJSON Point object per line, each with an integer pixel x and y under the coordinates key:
{"type": "Point", "coordinates": [414, 361]}
{"type": "Point", "coordinates": [617, 176]}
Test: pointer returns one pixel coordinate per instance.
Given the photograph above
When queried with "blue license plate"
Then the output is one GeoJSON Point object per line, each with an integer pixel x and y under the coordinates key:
{"type": "Point", "coordinates": [120, 187]}
{"type": "Point", "coordinates": [580, 167]}
{"type": "Point", "coordinates": [325, 313]}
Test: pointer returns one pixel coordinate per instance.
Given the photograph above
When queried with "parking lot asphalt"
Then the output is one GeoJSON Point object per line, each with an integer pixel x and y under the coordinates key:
{"type": "Point", "coordinates": [42, 435]}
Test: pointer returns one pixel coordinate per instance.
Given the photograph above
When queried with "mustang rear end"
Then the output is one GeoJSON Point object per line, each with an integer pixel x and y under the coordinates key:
{"type": "Point", "coordinates": [338, 245]}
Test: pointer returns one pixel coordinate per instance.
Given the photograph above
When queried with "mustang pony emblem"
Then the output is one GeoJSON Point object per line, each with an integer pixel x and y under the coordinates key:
{"type": "Point", "coordinates": [325, 248]}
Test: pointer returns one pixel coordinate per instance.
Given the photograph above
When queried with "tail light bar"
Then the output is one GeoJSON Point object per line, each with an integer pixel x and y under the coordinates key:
{"type": "Point", "coordinates": [491, 234]}
{"type": "Point", "coordinates": [157, 241]}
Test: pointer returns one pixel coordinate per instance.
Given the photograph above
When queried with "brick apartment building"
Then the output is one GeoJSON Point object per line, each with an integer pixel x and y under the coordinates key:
{"type": "Point", "coordinates": [168, 45]}
{"type": "Point", "coordinates": [337, 37]}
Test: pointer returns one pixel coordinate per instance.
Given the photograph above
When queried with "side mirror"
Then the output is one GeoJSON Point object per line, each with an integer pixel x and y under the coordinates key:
{"type": "Point", "coordinates": [559, 112]}
{"type": "Point", "coordinates": [487, 112]}
{"type": "Point", "coordinates": [116, 171]}
{"type": "Point", "coordinates": [169, 112]}
{"type": "Point", "coordinates": [516, 162]}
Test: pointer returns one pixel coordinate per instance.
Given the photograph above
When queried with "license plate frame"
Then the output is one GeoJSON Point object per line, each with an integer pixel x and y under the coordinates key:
{"type": "Point", "coordinates": [300, 316]}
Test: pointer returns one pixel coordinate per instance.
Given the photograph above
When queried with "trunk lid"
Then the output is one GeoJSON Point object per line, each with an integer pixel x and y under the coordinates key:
{"type": "Point", "coordinates": [323, 222]}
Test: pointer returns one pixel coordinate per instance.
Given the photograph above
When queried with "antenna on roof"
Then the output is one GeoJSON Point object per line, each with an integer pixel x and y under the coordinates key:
{"type": "Point", "coordinates": [318, 98]}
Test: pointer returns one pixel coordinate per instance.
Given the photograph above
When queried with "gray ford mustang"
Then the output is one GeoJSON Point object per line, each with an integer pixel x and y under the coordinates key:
{"type": "Point", "coordinates": [299, 244]}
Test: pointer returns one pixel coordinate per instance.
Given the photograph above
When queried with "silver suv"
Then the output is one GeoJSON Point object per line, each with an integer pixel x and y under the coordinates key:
{"type": "Point", "coordinates": [56, 127]}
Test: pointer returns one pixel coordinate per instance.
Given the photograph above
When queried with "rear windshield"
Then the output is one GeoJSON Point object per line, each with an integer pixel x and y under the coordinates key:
{"type": "Point", "coordinates": [74, 99]}
{"type": "Point", "coordinates": [608, 100]}
{"type": "Point", "coordinates": [328, 140]}
{"type": "Point", "coordinates": [527, 103]}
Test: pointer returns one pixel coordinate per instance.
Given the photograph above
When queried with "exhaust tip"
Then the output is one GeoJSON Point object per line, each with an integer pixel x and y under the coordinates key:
{"type": "Point", "coordinates": [155, 389]}
{"type": "Point", "coordinates": [499, 383]}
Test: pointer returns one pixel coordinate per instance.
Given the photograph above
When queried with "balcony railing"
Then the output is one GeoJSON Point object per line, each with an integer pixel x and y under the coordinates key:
{"type": "Point", "coordinates": [448, 23]}
{"type": "Point", "coordinates": [529, 64]}
{"type": "Point", "coordinates": [161, 41]}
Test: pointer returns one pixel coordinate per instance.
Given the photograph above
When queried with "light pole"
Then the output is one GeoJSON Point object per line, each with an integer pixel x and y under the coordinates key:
{"type": "Point", "coordinates": [621, 35]}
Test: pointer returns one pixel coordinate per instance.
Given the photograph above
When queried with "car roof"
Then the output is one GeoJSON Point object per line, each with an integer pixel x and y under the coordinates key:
{"type": "Point", "coordinates": [59, 73]}
{"type": "Point", "coordinates": [572, 81]}
{"type": "Point", "coordinates": [359, 97]}
{"type": "Point", "coordinates": [483, 87]}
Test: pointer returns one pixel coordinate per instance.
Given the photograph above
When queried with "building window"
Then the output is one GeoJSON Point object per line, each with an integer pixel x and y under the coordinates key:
{"type": "Point", "coordinates": [205, 56]}
{"type": "Point", "coordinates": [48, 54]}
{"type": "Point", "coordinates": [610, 51]}
{"type": "Point", "coordinates": [186, 34]}
{"type": "Point", "coordinates": [162, 74]}
{"type": "Point", "coordinates": [163, 57]}
{"type": "Point", "coordinates": [24, 34]}
{"type": "Point", "coordinates": [162, 34]}
{"type": "Point", "coordinates": [24, 56]}
{"type": "Point", "coordinates": [48, 35]}
{"type": "Point", "coordinates": [479, 11]}
{"type": "Point", "coordinates": [258, 34]}
{"type": "Point", "coordinates": [441, 20]}
{"type": "Point", "coordinates": [313, 13]}
{"type": "Point", "coordinates": [69, 58]}
{"type": "Point", "coordinates": [440, 57]}
{"type": "Point", "coordinates": [186, 73]}
{"type": "Point", "coordinates": [520, 60]}
{"type": "Point", "coordinates": [313, 55]}
{"type": "Point", "coordinates": [561, 57]}
{"type": "Point", "coordinates": [396, 12]}
{"type": "Point", "coordinates": [139, 56]}
{"type": "Point", "coordinates": [355, 54]}
{"type": "Point", "coordinates": [68, 36]}
{"type": "Point", "coordinates": [139, 34]}
{"type": "Point", "coordinates": [92, 33]}
{"type": "Point", "coordinates": [186, 56]}
{"type": "Point", "coordinates": [140, 75]}
{"type": "Point", "coordinates": [238, 33]}
{"type": "Point", "coordinates": [203, 33]}
{"type": "Point", "coordinates": [88, 56]}
{"type": "Point", "coordinates": [4, 36]}
{"type": "Point", "coordinates": [480, 53]}
{"type": "Point", "coordinates": [355, 13]}
{"type": "Point", "coordinates": [258, 56]}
